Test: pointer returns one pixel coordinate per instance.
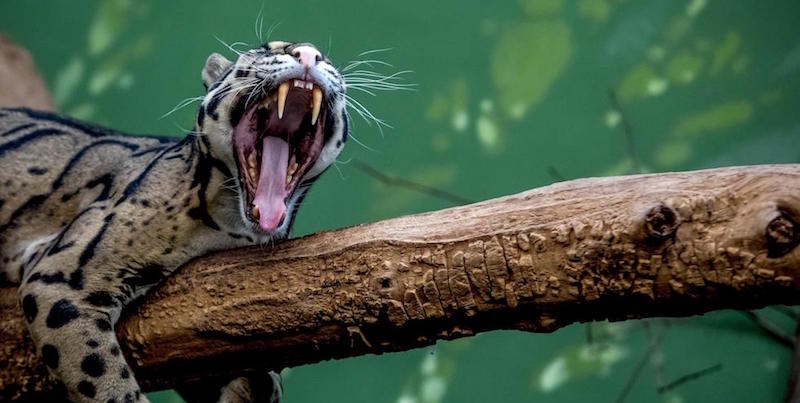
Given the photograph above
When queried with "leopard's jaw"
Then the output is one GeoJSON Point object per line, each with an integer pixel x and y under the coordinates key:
{"type": "Point", "coordinates": [301, 100]}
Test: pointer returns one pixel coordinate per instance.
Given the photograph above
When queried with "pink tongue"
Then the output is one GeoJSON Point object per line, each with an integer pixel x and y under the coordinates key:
{"type": "Point", "coordinates": [271, 189]}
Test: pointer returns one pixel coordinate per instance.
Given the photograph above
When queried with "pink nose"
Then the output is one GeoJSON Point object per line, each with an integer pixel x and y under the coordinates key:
{"type": "Point", "coordinates": [308, 56]}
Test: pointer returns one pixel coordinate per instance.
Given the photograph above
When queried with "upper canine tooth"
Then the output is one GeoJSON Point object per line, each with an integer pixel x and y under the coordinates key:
{"type": "Point", "coordinates": [316, 104]}
{"type": "Point", "coordinates": [283, 90]}
{"type": "Point", "coordinates": [251, 160]}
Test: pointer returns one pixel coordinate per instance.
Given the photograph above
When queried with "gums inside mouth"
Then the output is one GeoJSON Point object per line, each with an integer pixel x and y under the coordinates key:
{"type": "Point", "coordinates": [276, 142]}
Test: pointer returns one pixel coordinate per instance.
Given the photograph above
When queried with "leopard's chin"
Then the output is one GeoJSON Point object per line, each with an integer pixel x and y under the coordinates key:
{"type": "Point", "coordinates": [275, 143]}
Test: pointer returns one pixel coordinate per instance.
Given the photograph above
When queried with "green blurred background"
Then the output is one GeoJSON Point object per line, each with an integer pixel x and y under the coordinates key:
{"type": "Point", "coordinates": [510, 95]}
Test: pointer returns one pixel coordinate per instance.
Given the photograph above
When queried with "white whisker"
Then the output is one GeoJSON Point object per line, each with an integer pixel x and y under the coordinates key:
{"type": "Point", "coordinates": [272, 28]}
{"type": "Point", "coordinates": [231, 47]}
{"type": "Point", "coordinates": [259, 23]}
{"type": "Point", "coordinates": [369, 52]}
{"type": "Point", "coordinates": [182, 104]}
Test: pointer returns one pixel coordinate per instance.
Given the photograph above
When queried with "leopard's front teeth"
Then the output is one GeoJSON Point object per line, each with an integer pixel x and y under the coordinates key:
{"type": "Point", "coordinates": [283, 91]}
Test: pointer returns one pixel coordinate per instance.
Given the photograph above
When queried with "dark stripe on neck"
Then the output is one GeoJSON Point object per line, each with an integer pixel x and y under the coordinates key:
{"type": "Point", "coordinates": [77, 157]}
{"type": "Point", "coordinates": [19, 128]}
{"type": "Point", "coordinates": [32, 136]}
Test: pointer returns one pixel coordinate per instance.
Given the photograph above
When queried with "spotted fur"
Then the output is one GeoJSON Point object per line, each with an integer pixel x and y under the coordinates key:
{"type": "Point", "coordinates": [91, 219]}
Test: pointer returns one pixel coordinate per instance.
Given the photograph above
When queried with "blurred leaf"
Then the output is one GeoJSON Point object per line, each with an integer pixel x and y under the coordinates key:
{"type": "Point", "coordinates": [488, 133]}
{"type": "Point", "coordinates": [673, 153]}
{"type": "Point", "coordinates": [725, 52]}
{"type": "Point", "coordinates": [634, 84]}
{"type": "Point", "coordinates": [108, 23]}
{"type": "Point", "coordinates": [67, 79]}
{"type": "Point", "coordinates": [520, 74]}
{"type": "Point", "coordinates": [580, 362]}
{"type": "Point", "coordinates": [716, 118]}
{"type": "Point", "coordinates": [83, 111]}
{"type": "Point", "coordinates": [112, 70]}
{"type": "Point", "coordinates": [684, 67]}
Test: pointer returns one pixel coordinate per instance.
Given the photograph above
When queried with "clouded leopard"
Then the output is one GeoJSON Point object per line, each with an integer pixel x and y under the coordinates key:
{"type": "Point", "coordinates": [90, 219]}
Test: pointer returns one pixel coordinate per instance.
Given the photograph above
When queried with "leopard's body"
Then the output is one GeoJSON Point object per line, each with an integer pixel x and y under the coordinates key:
{"type": "Point", "coordinates": [90, 218]}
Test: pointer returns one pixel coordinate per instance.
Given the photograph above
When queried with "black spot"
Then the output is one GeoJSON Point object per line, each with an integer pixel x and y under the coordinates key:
{"type": "Point", "coordinates": [103, 325]}
{"type": "Point", "coordinates": [30, 307]}
{"type": "Point", "coordinates": [112, 400]}
{"type": "Point", "coordinates": [130, 243]}
{"type": "Point", "coordinates": [55, 278]}
{"type": "Point", "coordinates": [114, 350]}
{"type": "Point", "coordinates": [124, 373]}
{"type": "Point", "coordinates": [50, 355]}
{"type": "Point", "coordinates": [61, 313]}
{"type": "Point", "coordinates": [338, 143]}
{"type": "Point", "coordinates": [37, 171]}
{"type": "Point", "coordinates": [128, 398]}
{"type": "Point", "coordinates": [100, 298]}
{"type": "Point", "coordinates": [93, 365]}
{"type": "Point", "coordinates": [87, 389]}
{"type": "Point", "coordinates": [92, 343]}
{"type": "Point", "coordinates": [76, 279]}
{"type": "Point", "coordinates": [145, 202]}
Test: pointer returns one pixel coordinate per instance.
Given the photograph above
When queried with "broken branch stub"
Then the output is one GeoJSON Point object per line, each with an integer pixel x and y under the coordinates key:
{"type": "Point", "coordinates": [608, 248]}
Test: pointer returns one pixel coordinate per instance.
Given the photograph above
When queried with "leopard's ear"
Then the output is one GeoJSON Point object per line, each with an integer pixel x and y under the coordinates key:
{"type": "Point", "coordinates": [215, 67]}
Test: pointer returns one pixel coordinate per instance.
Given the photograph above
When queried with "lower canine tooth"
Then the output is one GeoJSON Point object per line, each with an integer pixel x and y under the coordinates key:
{"type": "Point", "coordinates": [283, 90]}
{"type": "Point", "coordinates": [256, 213]}
{"type": "Point", "coordinates": [253, 174]}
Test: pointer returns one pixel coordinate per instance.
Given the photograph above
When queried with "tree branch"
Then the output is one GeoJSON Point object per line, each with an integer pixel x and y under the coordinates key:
{"type": "Point", "coordinates": [608, 248]}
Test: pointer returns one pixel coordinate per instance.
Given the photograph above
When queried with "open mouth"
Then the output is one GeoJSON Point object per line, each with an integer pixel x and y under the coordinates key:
{"type": "Point", "coordinates": [276, 142]}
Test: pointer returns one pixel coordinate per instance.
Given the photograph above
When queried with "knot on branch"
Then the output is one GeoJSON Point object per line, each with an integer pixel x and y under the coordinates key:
{"type": "Point", "coordinates": [660, 223]}
{"type": "Point", "coordinates": [781, 235]}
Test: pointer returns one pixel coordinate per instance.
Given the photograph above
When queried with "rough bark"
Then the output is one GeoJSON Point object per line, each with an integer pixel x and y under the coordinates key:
{"type": "Point", "coordinates": [609, 248]}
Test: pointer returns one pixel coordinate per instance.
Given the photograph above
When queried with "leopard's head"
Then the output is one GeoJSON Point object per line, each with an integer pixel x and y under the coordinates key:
{"type": "Point", "coordinates": [276, 117]}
